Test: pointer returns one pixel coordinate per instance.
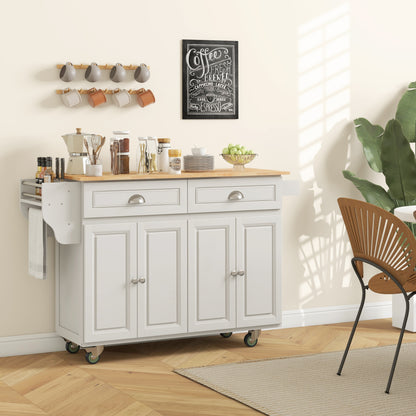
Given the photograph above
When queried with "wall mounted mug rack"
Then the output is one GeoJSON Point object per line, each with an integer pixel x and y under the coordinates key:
{"type": "Point", "coordinates": [106, 91]}
{"type": "Point", "coordinates": [121, 97]}
{"type": "Point", "coordinates": [93, 71]}
{"type": "Point", "coordinates": [106, 66]}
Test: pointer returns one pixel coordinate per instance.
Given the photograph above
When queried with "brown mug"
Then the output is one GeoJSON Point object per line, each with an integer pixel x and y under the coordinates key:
{"type": "Point", "coordinates": [145, 97]}
{"type": "Point", "coordinates": [96, 97]}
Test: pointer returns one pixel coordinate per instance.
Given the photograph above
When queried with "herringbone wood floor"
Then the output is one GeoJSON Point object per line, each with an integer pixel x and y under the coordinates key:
{"type": "Point", "coordinates": [138, 379]}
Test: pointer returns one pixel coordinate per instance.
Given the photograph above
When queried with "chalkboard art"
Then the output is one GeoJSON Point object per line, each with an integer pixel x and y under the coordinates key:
{"type": "Point", "coordinates": [210, 79]}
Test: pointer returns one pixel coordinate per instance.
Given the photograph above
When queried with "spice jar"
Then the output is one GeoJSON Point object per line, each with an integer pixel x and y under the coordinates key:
{"type": "Point", "coordinates": [175, 161]}
{"type": "Point", "coordinates": [163, 154]}
{"type": "Point", "coordinates": [124, 155]}
{"type": "Point", "coordinates": [120, 152]}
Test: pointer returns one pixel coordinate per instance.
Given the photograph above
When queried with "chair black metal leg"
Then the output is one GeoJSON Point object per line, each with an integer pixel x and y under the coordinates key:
{"type": "Point", "coordinates": [347, 348]}
{"type": "Point", "coordinates": [399, 343]}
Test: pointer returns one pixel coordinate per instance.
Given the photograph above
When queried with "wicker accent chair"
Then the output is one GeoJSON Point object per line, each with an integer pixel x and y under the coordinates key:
{"type": "Point", "coordinates": [382, 240]}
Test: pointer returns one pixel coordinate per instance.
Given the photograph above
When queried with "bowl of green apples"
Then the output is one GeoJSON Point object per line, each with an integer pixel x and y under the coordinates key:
{"type": "Point", "coordinates": [237, 155]}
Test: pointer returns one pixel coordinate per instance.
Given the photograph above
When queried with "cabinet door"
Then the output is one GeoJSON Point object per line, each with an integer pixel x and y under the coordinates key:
{"type": "Point", "coordinates": [162, 289]}
{"type": "Point", "coordinates": [258, 290]}
{"type": "Point", "coordinates": [211, 252]}
{"type": "Point", "coordinates": [110, 298]}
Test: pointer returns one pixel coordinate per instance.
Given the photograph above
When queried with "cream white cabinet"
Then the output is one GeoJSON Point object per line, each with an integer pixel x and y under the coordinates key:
{"type": "Point", "coordinates": [258, 279]}
{"type": "Point", "coordinates": [233, 272]}
{"type": "Point", "coordinates": [211, 260]}
{"type": "Point", "coordinates": [135, 279]}
{"type": "Point", "coordinates": [110, 301]}
{"type": "Point", "coordinates": [157, 259]}
{"type": "Point", "coordinates": [162, 277]}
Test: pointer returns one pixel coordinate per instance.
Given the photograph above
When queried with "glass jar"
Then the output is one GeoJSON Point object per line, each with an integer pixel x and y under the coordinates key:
{"type": "Point", "coordinates": [163, 154]}
{"type": "Point", "coordinates": [175, 161]}
{"type": "Point", "coordinates": [120, 152]}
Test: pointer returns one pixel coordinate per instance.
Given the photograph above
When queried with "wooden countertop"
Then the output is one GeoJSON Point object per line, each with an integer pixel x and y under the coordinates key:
{"type": "Point", "coordinates": [217, 173]}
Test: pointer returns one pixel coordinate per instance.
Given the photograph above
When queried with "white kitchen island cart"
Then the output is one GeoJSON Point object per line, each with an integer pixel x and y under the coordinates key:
{"type": "Point", "coordinates": [158, 256]}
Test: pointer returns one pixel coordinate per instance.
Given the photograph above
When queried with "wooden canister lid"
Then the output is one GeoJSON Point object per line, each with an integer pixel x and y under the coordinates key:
{"type": "Point", "coordinates": [175, 152]}
{"type": "Point", "coordinates": [163, 140]}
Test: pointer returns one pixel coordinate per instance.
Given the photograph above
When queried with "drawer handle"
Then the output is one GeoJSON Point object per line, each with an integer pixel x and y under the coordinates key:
{"type": "Point", "coordinates": [234, 274]}
{"type": "Point", "coordinates": [136, 200]}
{"type": "Point", "coordinates": [236, 196]}
{"type": "Point", "coordinates": [241, 272]}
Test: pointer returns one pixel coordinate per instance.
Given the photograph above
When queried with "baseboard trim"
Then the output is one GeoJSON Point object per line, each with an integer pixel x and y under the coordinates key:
{"type": "Point", "coordinates": [335, 314]}
{"type": "Point", "coordinates": [31, 344]}
{"type": "Point", "coordinates": [51, 342]}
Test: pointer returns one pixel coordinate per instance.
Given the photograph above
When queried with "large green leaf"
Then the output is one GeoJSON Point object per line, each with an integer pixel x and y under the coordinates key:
{"type": "Point", "coordinates": [372, 193]}
{"type": "Point", "coordinates": [399, 164]}
{"type": "Point", "coordinates": [406, 112]}
{"type": "Point", "coordinates": [370, 136]}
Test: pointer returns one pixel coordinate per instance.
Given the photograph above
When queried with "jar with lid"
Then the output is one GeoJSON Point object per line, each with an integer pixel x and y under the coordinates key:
{"type": "Point", "coordinates": [120, 152]}
{"type": "Point", "coordinates": [163, 154]}
{"type": "Point", "coordinates": [175, 161]}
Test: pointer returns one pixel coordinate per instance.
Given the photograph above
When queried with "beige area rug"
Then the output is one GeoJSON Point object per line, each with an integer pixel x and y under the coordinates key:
{"type": "Point", "coordinates": [309, 385]}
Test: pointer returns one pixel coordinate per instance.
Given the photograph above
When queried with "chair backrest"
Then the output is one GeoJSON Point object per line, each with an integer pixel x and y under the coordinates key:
{"type": "Point", "coordinates": [377, 235]}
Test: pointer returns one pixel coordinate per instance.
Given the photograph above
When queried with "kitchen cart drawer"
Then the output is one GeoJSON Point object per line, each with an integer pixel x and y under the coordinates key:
{"type": "Point", "coordinates": [121, 199]}
{"type": "Point", "coordinates": [234, 194]}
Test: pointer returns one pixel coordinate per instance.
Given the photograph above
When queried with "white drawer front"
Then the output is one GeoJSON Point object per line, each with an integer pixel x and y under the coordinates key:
{"type": "Point", "coordinates": [239, 194]}
{"type": "Point", "coordinates": [134, 198]}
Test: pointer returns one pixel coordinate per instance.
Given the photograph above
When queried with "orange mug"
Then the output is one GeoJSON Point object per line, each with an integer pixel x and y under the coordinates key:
{"type": "Point", "coordinates": [96, 97]}
{"type": "Point", "coordinates": [145, 97]}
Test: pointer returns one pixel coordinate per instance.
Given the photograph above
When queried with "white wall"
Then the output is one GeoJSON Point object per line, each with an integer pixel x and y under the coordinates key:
{"type": "Point", "coordinates": [358, 54]}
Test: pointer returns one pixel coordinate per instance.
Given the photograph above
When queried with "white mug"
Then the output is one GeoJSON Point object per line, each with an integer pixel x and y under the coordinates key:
{"type": "Point", "coordinates": [71, 98]}
{"type": "Point", "coordinates": [121, 97]}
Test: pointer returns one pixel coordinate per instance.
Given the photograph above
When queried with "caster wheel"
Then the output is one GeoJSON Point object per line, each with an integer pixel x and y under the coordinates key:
{"type": "Point", "coordinates": [91, 359]}
{"type": "Point", "coordinates": [226, 334]}
{"type": "Point", "coordinates": [71, 347]}
{"type": "Point", "coordinates": [250, 342]}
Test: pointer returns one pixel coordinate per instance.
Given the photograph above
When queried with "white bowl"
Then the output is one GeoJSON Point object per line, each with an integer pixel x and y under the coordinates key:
{"type": "Point", "coordinates": [199, 151]}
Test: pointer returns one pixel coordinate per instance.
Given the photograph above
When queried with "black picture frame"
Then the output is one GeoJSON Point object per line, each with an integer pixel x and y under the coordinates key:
{"type": "Point", "coordinates": [209, 79]}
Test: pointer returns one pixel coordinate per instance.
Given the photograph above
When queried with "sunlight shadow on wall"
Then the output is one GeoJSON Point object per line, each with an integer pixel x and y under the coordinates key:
{"type": "Point", "coordinates": [324, 111]}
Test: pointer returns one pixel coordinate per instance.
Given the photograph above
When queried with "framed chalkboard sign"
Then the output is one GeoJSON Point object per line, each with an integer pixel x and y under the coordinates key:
{"type": "Point", "coordinates": [209, 79]}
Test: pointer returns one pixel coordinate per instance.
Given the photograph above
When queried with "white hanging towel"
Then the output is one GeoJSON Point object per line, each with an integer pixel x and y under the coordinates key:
{"type": "Point", "coordinates": [37, 244]}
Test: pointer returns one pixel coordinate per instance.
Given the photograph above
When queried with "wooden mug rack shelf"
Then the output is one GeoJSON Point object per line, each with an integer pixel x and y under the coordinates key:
{"type": "Point", "coordinates": [105, 91]}
{"type": "Point", "coordinates": [106, 66]}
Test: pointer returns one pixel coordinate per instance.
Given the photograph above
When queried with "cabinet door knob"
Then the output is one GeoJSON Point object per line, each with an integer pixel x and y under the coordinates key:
{"type": "Point", "coordinates": [241, 272]}
{"type": "Point", "coordinates": [136, 199]}
{"type": "Point", "coordinates": [234, 274]}
{"type": "Point", "coordinates": [135, 281]}
{"type": "Point", "coordinates": [236, 196]}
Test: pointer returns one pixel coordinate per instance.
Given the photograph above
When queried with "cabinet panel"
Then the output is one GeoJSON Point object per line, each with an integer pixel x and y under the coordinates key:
{"type": "Point", "coordinates": [162, 265]}
{"type": "Point", "coordinates": [134, 198]}
{"type": "Point", "coordinates": [257, 255]}
{"type": "Point", "coordinates": [236, 194]}
{"type": "Point", "coordinates": [211, 287]}
{"type": "Point", "coordinates": [110, 264]}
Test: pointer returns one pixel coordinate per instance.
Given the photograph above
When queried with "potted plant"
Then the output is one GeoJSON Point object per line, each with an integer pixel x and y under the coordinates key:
{"type": "Point", "coordinates": [388, 151]}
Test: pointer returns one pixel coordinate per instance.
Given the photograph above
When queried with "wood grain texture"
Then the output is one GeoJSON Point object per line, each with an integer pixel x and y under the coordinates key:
{"type": "Point", "coordinates": [216, 173]}
{"type": "Point", "coordinates": [138, 379]}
